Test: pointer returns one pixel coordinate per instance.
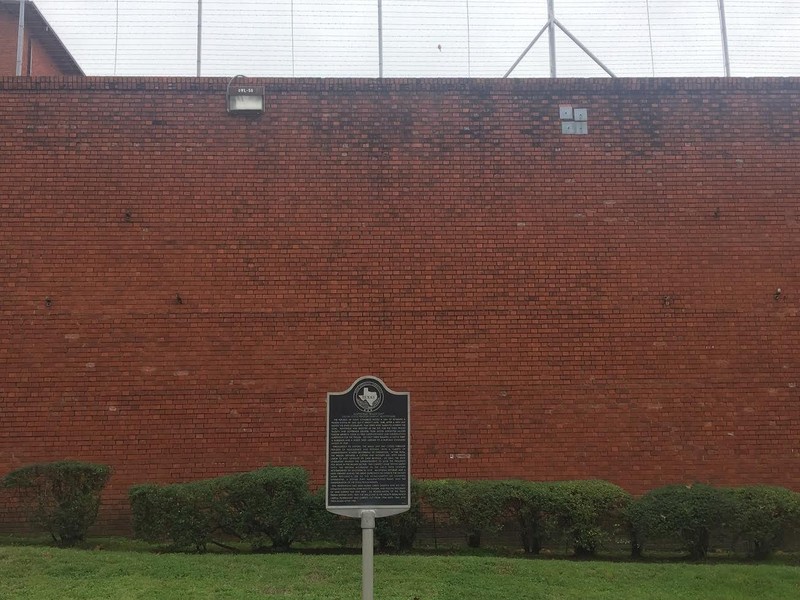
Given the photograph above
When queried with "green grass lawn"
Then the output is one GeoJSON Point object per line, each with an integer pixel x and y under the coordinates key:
{"type": "Point", "coordinates": [41, 573]}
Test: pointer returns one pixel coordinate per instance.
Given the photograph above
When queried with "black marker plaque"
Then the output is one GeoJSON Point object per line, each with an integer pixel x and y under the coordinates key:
{"type": "Point", "coordinates": [368, 449]}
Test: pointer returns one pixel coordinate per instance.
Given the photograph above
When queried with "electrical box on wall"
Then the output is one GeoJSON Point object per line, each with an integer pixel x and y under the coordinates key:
{"type": "Point", "coordinates": [574, 121]}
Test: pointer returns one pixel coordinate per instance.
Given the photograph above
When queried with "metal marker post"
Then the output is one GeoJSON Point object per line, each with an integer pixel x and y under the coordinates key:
{"type": "Point", "coordinates": [367, 552]}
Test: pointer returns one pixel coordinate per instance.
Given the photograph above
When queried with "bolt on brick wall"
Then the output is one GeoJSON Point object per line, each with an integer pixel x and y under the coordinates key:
{"type": "Point", "coordinates": [180, 287]}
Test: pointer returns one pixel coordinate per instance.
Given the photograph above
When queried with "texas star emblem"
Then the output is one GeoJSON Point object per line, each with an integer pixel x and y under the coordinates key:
{"type": "Point", "coordinates": [368, 397]}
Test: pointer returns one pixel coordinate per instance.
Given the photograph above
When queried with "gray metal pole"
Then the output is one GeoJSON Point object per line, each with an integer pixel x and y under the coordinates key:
{"type": "Point", "coordinates": [291, 7]}
{"type": "Point", "coordinates": [469, 47]}
{"type": "Point", "coordinates": [367, 565]}
{"type": "Point", "coordinates": [724, 31]}
{"type": "Point", "coordinates": [20, 36]}
{"type": "Point", "coordinates": [380, 40]}
{"type": "Point", "coordinates": [551, 23]}
{"type": "Point", "coordinates": [550, 26]}
{"type": "Point", "coordinates": [199, 36]}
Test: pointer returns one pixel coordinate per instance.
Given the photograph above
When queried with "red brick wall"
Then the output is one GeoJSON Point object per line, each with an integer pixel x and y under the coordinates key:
{"type": "Point", "coordinates": [558, 306]}
{"type": "Point", "coordinates": [8, 44]}
{"type": "Point", "coordinates": [42, 63]}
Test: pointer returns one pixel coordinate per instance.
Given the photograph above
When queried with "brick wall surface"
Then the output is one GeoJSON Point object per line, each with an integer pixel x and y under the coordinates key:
{"type": "Point", "coordinates": [41, 64]}
{"type": "Point", "coordinates": [8, 44]}
{"type": "Point", "coordinates": [180, 287]}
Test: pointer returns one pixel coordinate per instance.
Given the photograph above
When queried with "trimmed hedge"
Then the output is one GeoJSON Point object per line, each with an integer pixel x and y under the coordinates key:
{"type": "Point", "coordinates": [532, 504]}
{"type": "Point", "coordinates": [689, 513]}
{"type": "Point", "coordinates": [270, 504]}
{"type": "Point", "coordinates": [182, 514]}
{"type": "Point", "coordinates": [763, 515]}
{"type": "Point", "coordinates": [61, 497]}
{"type": "Point", "coordinates": [589, 512]}
{"type": "Point", "coordinates": [475, 505]}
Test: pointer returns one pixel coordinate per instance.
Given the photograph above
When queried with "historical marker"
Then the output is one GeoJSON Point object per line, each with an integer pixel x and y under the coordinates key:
{"type": "Point", "coordinates": [369, 460]}
{"type": "Point", "coordinates": [368, 450]}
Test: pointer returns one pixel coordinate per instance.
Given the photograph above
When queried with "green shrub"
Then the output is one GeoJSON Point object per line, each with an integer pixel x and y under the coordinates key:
{"type": "Point", "coordinates": [532, 505]}
{"type": "Point", "coordinates": [474, 505]}
{"type": "Point", "coordinates": [399, 531]}
{"type": "Point", "coordinates": [271, 504]}
{"type": "Point", "coordinates": [763, 514]}
{"type": "Point", "coordinates": [183, 514]}
{"type": "Point", "coordinates": [690, 513]}
{"type": "Point", "coordinates": [322, 525]}
{"type": "Point", "coordinates": [588, 512]}
{"type": "Point", "coordinates": [61, 497]}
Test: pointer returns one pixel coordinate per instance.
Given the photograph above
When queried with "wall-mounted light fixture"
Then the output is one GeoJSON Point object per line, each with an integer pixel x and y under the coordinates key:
{"type": "Point", "coordinates": [244, 98]}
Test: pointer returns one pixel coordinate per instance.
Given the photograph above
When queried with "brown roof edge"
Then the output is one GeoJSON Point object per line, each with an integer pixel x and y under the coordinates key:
{"type": "Point", "coordinates": [35, 20]}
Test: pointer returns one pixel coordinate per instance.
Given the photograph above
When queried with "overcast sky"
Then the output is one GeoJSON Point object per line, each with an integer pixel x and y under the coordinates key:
{"type": "Point", "coordinates": [425, 38]}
